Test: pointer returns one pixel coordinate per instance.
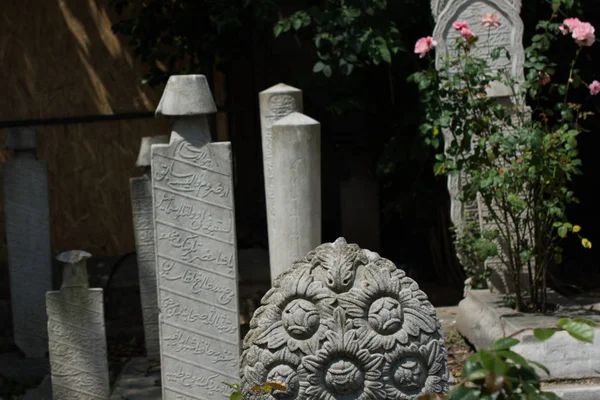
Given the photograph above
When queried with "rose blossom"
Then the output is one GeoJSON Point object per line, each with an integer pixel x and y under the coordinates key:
{"type": "Point", "coordinates": [584, 34]}
{"type": "Point", "coordinates": [460, 25]}
{"type": "Point", "coordinates": [466, 33]}
{"type": "Point", "coordinates": [490, 19]}
{"type": "Point", "coordinates": [594, 88]}
{"type": "Point", "coordinates": [544, 78]}
{"type": "Point", "coordinates": [423, 46]}
{"type": "Point", "coordinates": [569, 25]}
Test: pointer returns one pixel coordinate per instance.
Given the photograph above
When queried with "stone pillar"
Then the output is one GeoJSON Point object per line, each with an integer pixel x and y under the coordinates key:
{"type": "Point", "coordinates": [27, 214]}
{"type": "Point", "coordinates": [275, 103]}
{"type": "Point", "coordinates": [76, 333]}
{"type": "Point", "coordinates": [297, 190]}
{"type": "Point", "coordinates": [196, 255]}
{"type": "Point", "coordinates": [141, 203]}
{"type": "Point", "coordinates": [510, 35]}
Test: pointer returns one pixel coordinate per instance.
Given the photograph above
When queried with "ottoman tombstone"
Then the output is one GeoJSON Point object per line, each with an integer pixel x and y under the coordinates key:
{"type": "Point", "coordinates": [345, 323]}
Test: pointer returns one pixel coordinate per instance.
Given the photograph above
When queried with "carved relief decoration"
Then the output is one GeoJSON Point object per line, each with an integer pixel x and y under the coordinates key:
{"type": "Point", "coordinates": [345, 323]}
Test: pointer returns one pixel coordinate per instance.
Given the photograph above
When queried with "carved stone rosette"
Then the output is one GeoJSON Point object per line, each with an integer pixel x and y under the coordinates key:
{"type": "Point", "coordinates": [345, 323]}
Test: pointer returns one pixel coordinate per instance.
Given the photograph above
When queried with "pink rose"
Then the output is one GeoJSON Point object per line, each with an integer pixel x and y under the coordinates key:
{"type": "Point", "coordinates": [594, 88]}
{"type": "Point", "coordinates": [569, 25]}
{"type": "Point", "coordinates": [544, 78]}
{"type": "Point", "coordinates": [423, 46]}
{"type": "Point", "coordinates": [460, 25]}
{"type": "Point", "coordinates": [466, 33]}
{"type": "Point", "coordinates": [583, 34]}
{"type": "Point", "coordinates": [490, 19]}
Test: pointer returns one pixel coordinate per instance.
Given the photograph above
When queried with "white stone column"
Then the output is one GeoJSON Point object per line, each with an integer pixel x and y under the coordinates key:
{"type": "Point", "coordinates": [27, 213]}
{"type": "Point", "coordinates": [77, 335]}
{"type": "Point", "coordinates": [297, 190]}
{"type": "Point", "coordinates": [196, 255]}
{"type": "Point", "coordinates": [275, 103]}
{"type": "Point", "coordinates": [141, 203]}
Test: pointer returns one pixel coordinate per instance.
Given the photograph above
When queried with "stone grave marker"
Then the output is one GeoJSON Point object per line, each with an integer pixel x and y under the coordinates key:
{"type": "Point", "coordinates": [510, 35]}
{"type": "Point", "coordinates": [275, 103]}
{"type": "Point", "coordinates": [296, 146]}
{"type": "Point", "coordinates": [141, 202]}
{"type": "Point", "coordinates": [344, 323]}
{"type": "Point", "coordinates": [196, 254]}
{"type": "Point", "coordinates": [76, 334]}
{"type": "Point", "coordinates": [27, 214]}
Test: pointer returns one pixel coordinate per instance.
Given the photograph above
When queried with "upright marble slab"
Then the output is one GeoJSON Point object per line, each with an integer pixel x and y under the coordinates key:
{"type": "Point", "coordinates": [196, 254]}
{"type": "Point", "coordinates": [297, 190]}
{"type": "Point", "coordinates": [27, 215]}
{"type": "Point", "coordinates": [275, 103]}
{"type": "Point", "coordinates": [509, 35]}
{"type": "Point", "coordinates": [141, 204]}
{"type": "Point", "coordinates": [76, 334]}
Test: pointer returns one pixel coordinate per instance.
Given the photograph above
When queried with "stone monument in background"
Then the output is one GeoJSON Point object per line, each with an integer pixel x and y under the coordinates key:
{"type": "Point", "coordinates": [196, 255]}
{"type": "Point", "coordinates": [275, 103]}
{"type": "Point", "coordinates": [509, 35]}
{"type": "Point", "coordinates": [296, 147]}
{"type": "Point", "coordinates": [27, 214]}
{"type": "Point", "coordinates": [141, 202]}
{"type": "Point", "coordinates": [76, 334]}
{"type": "Point", "coordinates": [344, 323]}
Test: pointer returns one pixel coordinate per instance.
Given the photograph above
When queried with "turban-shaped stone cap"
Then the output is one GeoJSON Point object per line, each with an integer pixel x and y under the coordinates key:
{"type": "Point", "coordinates": [186, 96]}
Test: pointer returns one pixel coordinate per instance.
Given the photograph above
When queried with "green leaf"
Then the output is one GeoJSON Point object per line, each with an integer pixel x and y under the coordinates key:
{"type": "Point", "coordinates": [580, 331]}
{"type": "Point", "coordinates": [478, 375]}
{"type": "Point", "coordinates": [562, 322]}
{"type": "Point", "coordinates": [516, 358]}
{"type": "Point", "coordinates": [319, 65]}
{"type": "Point", "coordinates": [562, 231]}
{"type": "Point", "coordinates": [385, 53]}
{"type": "Point", "coordinates": [543, 334]}
{"type": "Point", "coordinates": [540, 366]}
{"type": "Point", "coordinates": [297, 24]}
{"type": "Point", "coordinates": [587, 321]}
{"type": "Point", "coordinates": [236, 396]}
{"type": "Point", "coordinates": [505, 343]}
{"type": "Point", "coordinates": [277, 29]}
{"type": "Point", "coordinates": [461, 392]}
{"type": "Point", "coordinates": [327, 71]}
{"type": "Point", "coordinates": [234, 386]}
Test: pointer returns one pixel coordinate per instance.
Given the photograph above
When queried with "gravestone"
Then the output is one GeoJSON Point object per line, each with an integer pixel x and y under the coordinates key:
{"type": "Point", "coordinates": [510, 35]}
{"type": "Point", "coordinates": [27, 213]}
{"type": "Point", "coordinates": [76, 334]}
{"type": "Point", "coordinates": [296, 145]}
{"type": "Point", "coordinates": [196, 254]}
{"type": "Point", "coordinates": [141, 202]}
{"type": "Point", "coordinates": [344, 323]}
{"type": "Point", "coordinates": [275, 103]}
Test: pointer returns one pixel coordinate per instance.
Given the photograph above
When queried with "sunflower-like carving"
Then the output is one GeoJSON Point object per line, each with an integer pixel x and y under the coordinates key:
{"type": "Point", "coordinates": [416, 369]}
{"type": "Point", "coordinates": [344, 323]}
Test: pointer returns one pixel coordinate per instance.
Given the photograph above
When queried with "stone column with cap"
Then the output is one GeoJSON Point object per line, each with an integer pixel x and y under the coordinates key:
{"type": "Point", "coordinates": [76, 334]}
{"type": "Point", "coordinates": [297, 190]}
{"type": "Point", "coordinates": [196, 256]}
{"type": "Point", "coordinates": [27, 215]}
{"type": "Point", "coordinates": [275, 103]}
{"type": "Point", "coordinates": [141, 204]}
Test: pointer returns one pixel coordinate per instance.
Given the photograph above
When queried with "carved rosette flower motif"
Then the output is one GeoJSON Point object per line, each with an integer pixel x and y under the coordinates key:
{"type": "Point", "coordinates": [343, 323]}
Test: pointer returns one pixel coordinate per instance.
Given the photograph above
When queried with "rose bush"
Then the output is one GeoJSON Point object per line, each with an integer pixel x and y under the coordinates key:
{"type": "Point", "coordinates": [519, 155]}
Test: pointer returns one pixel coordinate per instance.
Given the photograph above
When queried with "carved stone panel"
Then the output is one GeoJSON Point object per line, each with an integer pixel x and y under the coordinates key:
{"type": "Point", "coordinates": [344, 323]}
{"type": "Point", "coordinates": [27, 215]}
{"type": "Point", "coordinates": [77, 341]}
{"type": "Point", "coordinates": [196, 263]}
{"type": "Point", "coordinates": [141, 201]}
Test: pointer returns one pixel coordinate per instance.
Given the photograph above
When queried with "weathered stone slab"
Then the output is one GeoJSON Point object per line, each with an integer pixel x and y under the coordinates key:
{"type": "Point", "coordinates": [141, 202]}
{"type": "Point", "coordinates": [27, 214]}
{"type": "Point", "coordinates": [76, 334]}
{"type": "Point", "coordinates": [345, 323]}
{"type": "Point", "coordinates": [296, 141]}
{"type": "Point", "coordinates": [196, 253]}
{"type": "Point", "coordinates": [482, 317]}
{"type": "Point", "coordinates": [275, 103]}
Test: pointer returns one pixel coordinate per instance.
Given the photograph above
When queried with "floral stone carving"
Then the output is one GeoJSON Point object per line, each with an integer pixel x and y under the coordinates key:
{"type": "Point", "coordinates": [344, 323]}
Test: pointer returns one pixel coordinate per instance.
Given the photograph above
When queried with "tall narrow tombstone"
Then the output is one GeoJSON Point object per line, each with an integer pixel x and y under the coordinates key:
{"type": "Point", "coordinates": [510, 35]}
{"type": "Point", "coordinates": [76, 333]}
{"type": "Point", "coordinates": [275, 103]}
{"type": "Point", "coordinates": [26, 208]}
{"type": "Point", "coordinates": [196, 255]}
{"type": "Point", "coordinates": [141, 203]}
{"type": "Point", "coordinates": [297, 190]}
